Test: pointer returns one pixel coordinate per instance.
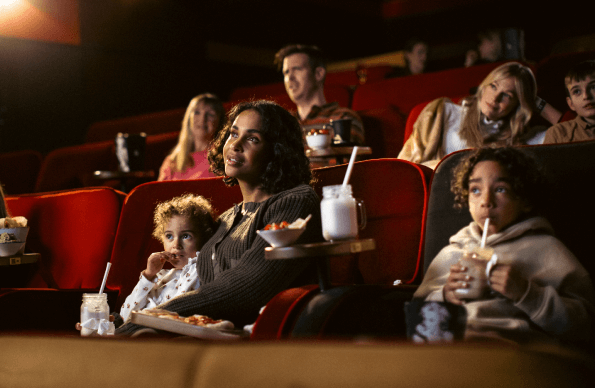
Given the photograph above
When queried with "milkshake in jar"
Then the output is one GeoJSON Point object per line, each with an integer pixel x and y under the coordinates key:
{"type": "Point", "coordinates": [94, 314]}
{"type": "Point", "coordinates": [338, 209]}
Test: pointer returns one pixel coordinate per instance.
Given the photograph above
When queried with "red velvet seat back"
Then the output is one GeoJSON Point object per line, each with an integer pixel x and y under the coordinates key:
{"type": "Point", "coordinates": [277, 93]}
{"type": "Point", "coordinates": [19, 171]}
{"type": "Point", "coordinates": [151, 124]}
{"type": "Point", "coordinates": [157, 148]}
{"type": "Point", "coordinates": [69, 167]}
{"type": "Point", "coordinates": [406, 92]}
{"type": "Point", "coordinates": [395, 195]}
{"type": "Point", "coordinates": [134, 242]}
{"type": "Point", "coordinates": [384, 131]}
{"type": "Point", "coordinates": [359, 76]}
{"type": "Point", "coordinates": [73, 231]}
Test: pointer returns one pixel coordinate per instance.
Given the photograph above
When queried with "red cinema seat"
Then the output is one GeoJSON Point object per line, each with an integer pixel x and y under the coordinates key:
{"type": "Point", "coordinates": [257, 91]}
{"type": "Point", "coordinates": [358, 76]}
{"type": "Point", "coordinates": [74, 232]}
{"type": "Point", "coordinates": [338, 93]}
{"type": "Point", "coordinates": [134, 242]}
{"type": "Point", "coordinates": [384, 131]}
{"type": "Point", "coordinates": [19, 171]}
{"type": "Point", "coordinates": [157, 148]}
{"type": "Point", "coordinates": [395, 193]}
{"type": "Point", "coordinates": [150, 123]}
{"type": "Point", "coordinates": [70, 167]}
{"type": "Point", "coordinates": [406, 92]}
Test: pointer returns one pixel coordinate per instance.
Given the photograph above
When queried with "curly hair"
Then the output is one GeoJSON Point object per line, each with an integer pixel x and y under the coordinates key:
{"type": "Point", "coordinates": [288, 165]}
{"type": "Point", "coordinates": [195, 207]}
{"type": "Point", "coordinates": [526, 177]}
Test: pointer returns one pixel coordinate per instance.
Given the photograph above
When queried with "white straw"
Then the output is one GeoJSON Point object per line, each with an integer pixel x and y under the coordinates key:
{"type": "Point", "coordinates": [105, 278]}
{"type": "Point", "coordinates": [350, 166]}
{"type": "Point", "coordinates": [484, 236]}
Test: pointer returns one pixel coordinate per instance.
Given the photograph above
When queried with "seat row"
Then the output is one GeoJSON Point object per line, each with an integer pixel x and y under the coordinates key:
{"type": "Point", "coordinates": [78, 231]}
{"type": "Point", "coordinates": [410, 216]}
{"type": "Point", "coordinates": [388, 108]}
{"type": "Point", "coordinates": [362, 89]}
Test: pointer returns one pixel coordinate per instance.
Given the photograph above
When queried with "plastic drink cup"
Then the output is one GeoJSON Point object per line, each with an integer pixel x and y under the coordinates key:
{"type": "Point", "coordinates": [479, 263]}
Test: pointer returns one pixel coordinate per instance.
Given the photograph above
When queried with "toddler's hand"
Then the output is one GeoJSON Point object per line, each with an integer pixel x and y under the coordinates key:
{"type": "Point", "coordinates": [155, 264]}
{"type": "Point", "coordinates": [505, 280]}
{"type": "Point", "coordinates": [457, 278]}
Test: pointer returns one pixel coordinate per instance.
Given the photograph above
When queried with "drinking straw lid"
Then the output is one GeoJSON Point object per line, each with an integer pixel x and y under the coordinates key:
{"type": "Point", "coordinates": [350, 166]}
{"type": "Point", "coordinates": [105, 278]}
{"type": "Point", "coordinates": [484, 236]}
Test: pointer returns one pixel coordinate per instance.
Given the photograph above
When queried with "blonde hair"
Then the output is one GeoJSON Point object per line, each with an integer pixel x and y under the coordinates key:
{"type": "Point", "coordinates": [516, 130]}
{"type": "Point", "coordinates": [180, 155]}
{"type": "Point", "coordinates": [194, 207]}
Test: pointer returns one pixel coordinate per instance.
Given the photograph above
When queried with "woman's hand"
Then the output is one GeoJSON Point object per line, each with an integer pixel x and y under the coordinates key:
{"type": "Point", "coordinates": [457, 278]}
{"type": "Point", "coordinates": [506, 281]}
{"type": "Point", "coordinates": [155, 264]}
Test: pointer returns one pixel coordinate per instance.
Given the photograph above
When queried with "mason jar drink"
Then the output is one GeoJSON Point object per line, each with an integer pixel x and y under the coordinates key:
{"type": "Point", "coordinates": [94, 307]}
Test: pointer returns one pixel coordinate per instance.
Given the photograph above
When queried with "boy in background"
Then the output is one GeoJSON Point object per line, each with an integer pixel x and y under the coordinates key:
{"type": "Point", "coordinates": [580, 90]}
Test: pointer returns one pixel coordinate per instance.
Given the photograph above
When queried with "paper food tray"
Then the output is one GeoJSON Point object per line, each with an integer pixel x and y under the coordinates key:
{"type": "Point", "coordinates": [180, 327]}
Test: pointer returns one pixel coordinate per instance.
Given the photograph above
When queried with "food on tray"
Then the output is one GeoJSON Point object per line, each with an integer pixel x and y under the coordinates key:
{"type": "Point", "coordinates": [13, 222]}
{"type": "Point", "coordinates": [197, 320]}
{"type": "Point", "coordinates": [273, 226]}
{"type": "Point", "coordinates": [318, 132]}
{"type": "Point", "coordinates": [297, 224]}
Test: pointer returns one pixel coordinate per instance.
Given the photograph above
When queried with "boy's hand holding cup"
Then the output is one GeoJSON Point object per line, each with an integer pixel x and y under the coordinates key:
{"type": "Point", "coordinates": [476, 264]}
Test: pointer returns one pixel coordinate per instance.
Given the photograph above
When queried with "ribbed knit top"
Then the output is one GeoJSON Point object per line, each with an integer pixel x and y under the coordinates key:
{"type": "Point", "coordinates": [236, 280]}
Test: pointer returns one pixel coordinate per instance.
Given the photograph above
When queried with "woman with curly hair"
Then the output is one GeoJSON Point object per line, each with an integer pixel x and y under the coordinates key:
{"type": "Point", "coordinates": [538, 290]}
{"type": "Point", "coordinates": [202, 122]}
{"type": "Point", "coordinates": [261, 150]}
{"type": "Point", "coordinates": [498, 114]}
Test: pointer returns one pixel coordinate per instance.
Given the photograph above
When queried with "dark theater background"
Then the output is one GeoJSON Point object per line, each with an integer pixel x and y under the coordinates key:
{"type": "Point", "coordinates": [65, 64]}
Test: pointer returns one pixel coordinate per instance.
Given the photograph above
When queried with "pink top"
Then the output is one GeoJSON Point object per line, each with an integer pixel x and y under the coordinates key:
{"type": "Point", "coordinates": [199, 170]}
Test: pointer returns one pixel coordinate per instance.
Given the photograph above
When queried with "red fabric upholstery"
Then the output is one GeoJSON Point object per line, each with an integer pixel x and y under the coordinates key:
{"type": "Point", "coordinates": [157, 148]}
{"type": "Point", "coordinates": [19, 171]}
{"type": "Point", "coordinates": [406, 92]}
{"type": "Point", "coordinates": [151, 124]}
{"type": "Point", "coordinates": [257, 91]}
{"type": "Point", "coordinates": [384, 131]}
{"type": "Point", "coordinates": [338, 93]}
{"type": "Point", "coordinates": [276, 320]}
{"type": "Point", "coordinates": [69, 167]}
{"type": "Point", "coordinates": [73, 231]}
{"type": "Point", "coordinates": [568, 115]}
{"type": "Point", "coordinates": [395, 194]}
{"type": "Point", "coordinates": [359, 76]}
{"type": "Point", "coordinates": [134, 243]}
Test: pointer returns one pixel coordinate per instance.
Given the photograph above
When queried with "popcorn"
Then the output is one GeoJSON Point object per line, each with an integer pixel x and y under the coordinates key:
{"type": "Point", "coordinates": [10, 222]}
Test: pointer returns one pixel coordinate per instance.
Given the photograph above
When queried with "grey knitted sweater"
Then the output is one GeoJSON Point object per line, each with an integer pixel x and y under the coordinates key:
{"type": "Point", "coordinates": [236, 280]}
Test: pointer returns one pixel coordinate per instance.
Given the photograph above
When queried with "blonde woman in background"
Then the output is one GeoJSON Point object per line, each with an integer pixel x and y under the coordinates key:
{"type": "Point", "coordinates": [498, 114]}
{"type": "Point", "coordinates": [204, 118]}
